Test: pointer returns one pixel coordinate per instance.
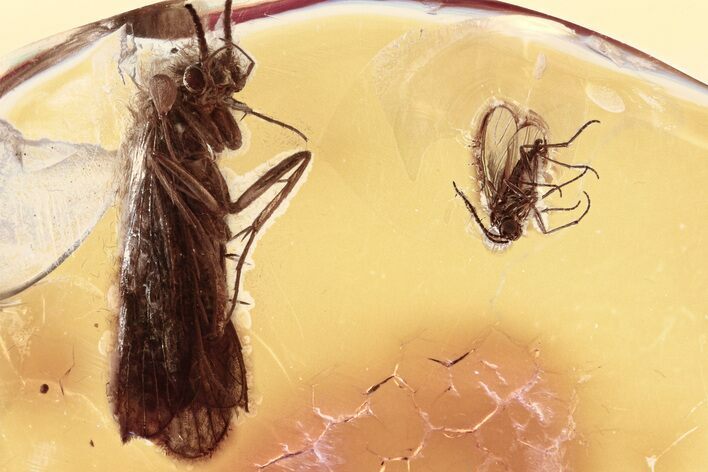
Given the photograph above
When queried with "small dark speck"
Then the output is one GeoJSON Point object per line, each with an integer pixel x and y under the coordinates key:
{"type": "Point", "coordinates": [91, 443]}
{"type": "Point", "coordinates": [95, 325]}
{"type": "Point", "coordinates": [44, 388]}
{"type": "Point", "coordinates": [174, 50]}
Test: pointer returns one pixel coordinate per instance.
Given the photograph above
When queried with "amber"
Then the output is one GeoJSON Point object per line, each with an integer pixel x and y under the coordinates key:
{"type": "Point", "coordinates": [383, 333]}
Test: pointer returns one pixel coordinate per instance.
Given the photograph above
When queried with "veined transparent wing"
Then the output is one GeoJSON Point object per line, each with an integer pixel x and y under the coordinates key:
{"type": "Point", "coordinates": [502, 132]}
{"type": "Point", "coordinates": [529, 131]}
{"type": "Point", "coordinates": [497, 131]}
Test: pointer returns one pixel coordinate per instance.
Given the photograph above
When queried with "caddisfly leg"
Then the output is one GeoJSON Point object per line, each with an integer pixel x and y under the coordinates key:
{"type": "Point", "coordinates": [243, 108]}
{"type": "Point", "coordinates": [542, 226]}
{"type": "Point", "coordinates": [295, 166]}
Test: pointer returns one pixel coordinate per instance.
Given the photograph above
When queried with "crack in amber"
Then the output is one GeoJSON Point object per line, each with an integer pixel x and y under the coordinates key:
{"type": "Point", "coordinates": [494, 408]}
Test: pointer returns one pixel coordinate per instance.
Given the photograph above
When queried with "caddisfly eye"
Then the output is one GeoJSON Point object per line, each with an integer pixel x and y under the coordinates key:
{"type": "Point", "coordinates": [194, 79]}
{"type": "Point", "coordinates": [239, 78]}
{"type": "Point", "coordinates": [235, 73]}
{"type": "Point", "coordinates": [538, 143]}
{"type": "Point", "coordinates": [221, 68]}
{"type": "Point", "coordinates": [219, 76]}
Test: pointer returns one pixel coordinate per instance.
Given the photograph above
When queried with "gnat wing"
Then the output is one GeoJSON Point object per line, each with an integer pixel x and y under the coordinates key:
{"type": "Point", "coordinates": [497, 158]}
{"type": "Point", "coordinates": [528, 133]}
{"type": "Point", "coordinates": [51, 195]}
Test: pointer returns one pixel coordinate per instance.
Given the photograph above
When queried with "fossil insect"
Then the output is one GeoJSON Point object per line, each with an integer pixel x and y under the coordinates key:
{"type": "Point", "coordinates": [512, 156]}
{"type": "Point", "coordinates": [180, 372]}
{"type": "Point", "coordinates": [178, 375]}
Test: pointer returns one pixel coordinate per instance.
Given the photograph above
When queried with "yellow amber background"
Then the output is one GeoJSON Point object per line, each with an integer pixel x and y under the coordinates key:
{"type": "Point", "coordinates": [375, 263]}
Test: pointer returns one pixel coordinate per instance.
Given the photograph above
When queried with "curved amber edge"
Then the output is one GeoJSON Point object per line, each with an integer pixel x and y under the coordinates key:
{"type": "Point", "coordinates": [150, 23]}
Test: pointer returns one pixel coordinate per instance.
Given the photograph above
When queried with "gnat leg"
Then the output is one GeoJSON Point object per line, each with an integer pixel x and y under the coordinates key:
{"type": "Point", "coordinates": [548, 210]}
{"type": "Point", "coordinates": [544, 230]}
{"type": "Point", "coordinates": [565, 144]}
{"type": "Point", "coordinates": [568, 182]}
{"type": "Point", "coordinates": [491, 236]}
{"type": "Point", "coordinates": [554, 187]}
{"type": "Point", "coordinates": [295, 166]}
{"type": "Point", "coordinates": [559, 145]}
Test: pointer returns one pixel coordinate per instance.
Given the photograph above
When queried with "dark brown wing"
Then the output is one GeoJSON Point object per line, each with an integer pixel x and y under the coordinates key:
{"type": "Point", "coordinates": [180, 371]}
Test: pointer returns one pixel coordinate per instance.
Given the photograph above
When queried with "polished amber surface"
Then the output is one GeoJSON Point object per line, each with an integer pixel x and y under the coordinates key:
{"type": "Point", "coordinates": [384, 334]}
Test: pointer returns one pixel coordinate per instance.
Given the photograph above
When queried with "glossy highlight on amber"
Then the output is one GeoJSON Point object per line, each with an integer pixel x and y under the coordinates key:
{"type": "Point", "coordinates": [376, 263]}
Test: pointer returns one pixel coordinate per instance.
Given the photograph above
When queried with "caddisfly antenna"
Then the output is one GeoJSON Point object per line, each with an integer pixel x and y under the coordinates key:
{"type": "Point", "coordinates": [227, 25]}
{"type": "Point", "coordinates": [199, 30]}
{"type": "Point", "coordinates": [229, 43]}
